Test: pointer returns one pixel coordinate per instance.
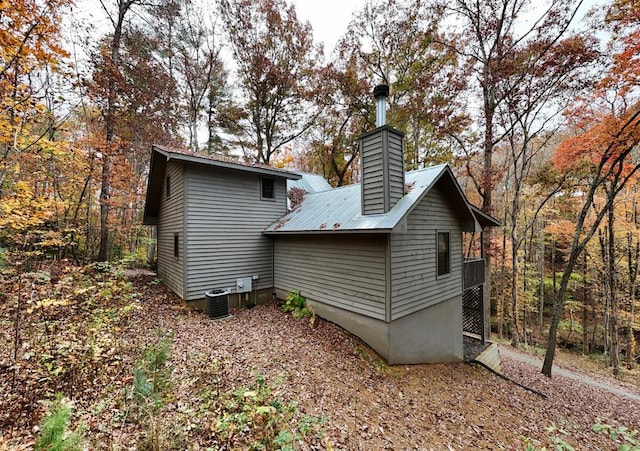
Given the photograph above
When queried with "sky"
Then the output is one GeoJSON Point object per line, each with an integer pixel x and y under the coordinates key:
{"type": "Point", "coordinates": [329, 18]}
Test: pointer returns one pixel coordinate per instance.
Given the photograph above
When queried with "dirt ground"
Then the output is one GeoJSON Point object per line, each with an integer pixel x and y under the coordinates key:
{"type": "Point", "coordinates": [330, 374]}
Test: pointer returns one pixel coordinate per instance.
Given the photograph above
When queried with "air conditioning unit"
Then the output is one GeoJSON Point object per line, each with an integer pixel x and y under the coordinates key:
{"type": "Point", "coordinates": [217, 303]}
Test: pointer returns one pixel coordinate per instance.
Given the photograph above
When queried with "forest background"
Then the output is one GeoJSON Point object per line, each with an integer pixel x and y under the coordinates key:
{"type": "Point", "coordinates": [537, 112]}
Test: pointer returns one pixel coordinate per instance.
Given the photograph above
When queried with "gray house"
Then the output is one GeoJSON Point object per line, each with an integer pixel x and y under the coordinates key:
{"type": "Point", "coordinates": [210, 213]}
{"type": "Point", "coordinates": [383, 258]}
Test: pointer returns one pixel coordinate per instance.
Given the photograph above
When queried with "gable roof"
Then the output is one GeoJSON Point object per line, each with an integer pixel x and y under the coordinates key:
{"type": "Point", "coordinates": [311, 183]}
{"type": "Point", "coordinates": [160, 155]}
{"type": "Point", "coordinates": [339, 210]}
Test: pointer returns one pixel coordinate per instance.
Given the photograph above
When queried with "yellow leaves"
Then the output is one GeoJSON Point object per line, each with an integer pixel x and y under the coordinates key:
{"type": "Point", "coordinates": [22, 216]}
{"type": "Point", "coordinates": [83, 290]}
{"type": "Point", "coordinates": [48, 302]}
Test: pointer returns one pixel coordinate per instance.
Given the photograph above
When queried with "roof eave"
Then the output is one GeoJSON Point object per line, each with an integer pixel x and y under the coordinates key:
{"type": "Point", "coordinates": [157, 168]}
{"type": "Point", "coordinates": [327, 232]}
{"type": "Point", "coordinates": [226, 165]}
{"type": "Point", "coordinates": [484, 219]}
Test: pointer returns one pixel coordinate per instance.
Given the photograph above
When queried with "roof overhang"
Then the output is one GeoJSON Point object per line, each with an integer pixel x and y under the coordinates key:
{"type": "Point", "coordinates": [225, 163]}
{"type": "Point", "coordinates": [484, 219]}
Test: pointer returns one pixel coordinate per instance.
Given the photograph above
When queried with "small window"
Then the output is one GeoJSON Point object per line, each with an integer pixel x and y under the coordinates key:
{"type": "Point", "coordinates": [168, 186]}
{"type": "Point", "coordinates": [176, 245]}
{"type": "Point", "coordinates": [267, 190]}
{"type": "Point", "coordinates": [444, 261]}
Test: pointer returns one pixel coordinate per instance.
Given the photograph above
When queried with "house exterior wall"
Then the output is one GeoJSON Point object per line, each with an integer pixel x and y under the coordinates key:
{"type": "Point", "coordinates": [170, 222]}
{"type": "Point", "coordinates": [226, 216]}
{"type": "Point", "coordinates": [344, 272]}
{"type": "Point", "coordinates": [414, 281]}
{"type": "Point", "coordinates": [382, 170]}
{"type": "Point", "coordinates": [431, 335]}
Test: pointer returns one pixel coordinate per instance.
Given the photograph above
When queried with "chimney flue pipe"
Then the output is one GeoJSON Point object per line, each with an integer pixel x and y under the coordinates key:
{"type": "Point", "coordinates": [380, 93]}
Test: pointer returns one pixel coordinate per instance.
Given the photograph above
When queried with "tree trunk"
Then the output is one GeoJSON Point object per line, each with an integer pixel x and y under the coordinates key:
{"type": "Point", "coordinates": [541, 294]}
{"type": "Point", "coordinates": [613, 294]}
{"type": "Point", "coordinates": [515, 327]}
{"type": "Point", "coordinates": [585, 312]}
{"type": "Point", "coordinates": [605, 291]}
{"type": "Point", "coordinates": [631, 348]}
{"type": "Point", "coordinates": [104, 208]}
{"type": "Point", "coordinates": [110, 125]}
{"type": "Point", "coordinates": [557, 313]}
{"type": "Point", "coordinates": [634, 268]}
{"type": "Point", "coordinates": [487, 192]}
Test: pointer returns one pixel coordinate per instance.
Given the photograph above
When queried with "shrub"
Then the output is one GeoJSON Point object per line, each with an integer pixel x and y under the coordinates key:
{"type": "Point", "coordinates": [296, 303]}
{"type": "Point", "coordinates": [252, 418]}
{"type": "Point", "coordinates": [55, 435]}
{"type": "Point", "coordinates": [151, 379]}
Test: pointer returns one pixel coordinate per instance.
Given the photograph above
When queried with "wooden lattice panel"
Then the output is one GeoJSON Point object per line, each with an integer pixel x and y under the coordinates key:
{"type": "Point", "coordinates": [472, 310]}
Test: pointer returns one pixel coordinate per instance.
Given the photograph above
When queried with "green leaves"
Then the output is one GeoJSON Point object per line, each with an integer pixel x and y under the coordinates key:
{"type": "Point", "coordinates": [55, 435]}
{"type": "Point", "coordinates": [622, 435]}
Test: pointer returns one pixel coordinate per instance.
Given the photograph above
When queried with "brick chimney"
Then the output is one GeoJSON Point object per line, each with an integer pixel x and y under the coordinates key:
{"type": "Point", "coordinates": [382, 161]}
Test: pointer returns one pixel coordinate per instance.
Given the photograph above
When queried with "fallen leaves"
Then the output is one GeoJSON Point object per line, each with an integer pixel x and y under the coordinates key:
{"type": "Point", "coordinates": [324, 370]}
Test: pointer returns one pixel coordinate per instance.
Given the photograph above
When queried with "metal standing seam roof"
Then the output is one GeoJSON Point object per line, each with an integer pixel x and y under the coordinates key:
{"type": "Point", "coordinates": [340, 208]}
{"type": "Point", "coordinates": [311, 183]}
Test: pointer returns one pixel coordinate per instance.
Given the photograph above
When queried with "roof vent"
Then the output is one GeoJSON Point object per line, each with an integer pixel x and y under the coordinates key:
{"type": "Point", "coordinates": [380, 93]}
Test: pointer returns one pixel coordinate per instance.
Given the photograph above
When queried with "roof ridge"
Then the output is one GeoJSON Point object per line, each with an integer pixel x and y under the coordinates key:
{"type": "Point", "coordinates": [219, 158]}
{"type": "Point", "coordinates": [428, 168]}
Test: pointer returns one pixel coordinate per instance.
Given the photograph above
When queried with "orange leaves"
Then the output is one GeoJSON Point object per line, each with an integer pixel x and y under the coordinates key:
{"type": "Point", "coordinates": [607, 142]}
{"type": "Point", "coordinates": [29, 33]}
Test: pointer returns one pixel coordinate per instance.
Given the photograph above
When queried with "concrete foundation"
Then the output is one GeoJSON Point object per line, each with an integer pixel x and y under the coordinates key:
{"type": "Point", "coordinates": [431, 335]}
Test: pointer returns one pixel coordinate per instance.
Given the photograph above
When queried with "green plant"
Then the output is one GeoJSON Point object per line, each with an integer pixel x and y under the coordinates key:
{"type": "Point", "coordinates": [252, 418]}
{"type": "Point", "coordinates": [297, 304]}
{"type": "Point", "coordinates": [621, 435]}
{"type": "Point", "coordinates": [150, 388]}
{"type": "Point", "coordinates": [102, 267]}
{"type": "Point", "coordinates": [558, 444]}
{"type": "Point", "coordinates": [55, 435]}
{"type": "Point", "coordinates": [294, 302]}
{"type": "Point", "coordinates": [3, 265]}
{"type": "Point", "coordinates": [151, 380]}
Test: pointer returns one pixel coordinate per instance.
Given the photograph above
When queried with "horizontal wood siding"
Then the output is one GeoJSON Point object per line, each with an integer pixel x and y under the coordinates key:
{"type": "Point", "coordinates": [372, 174]}
{"type": "Point", "coordinates": [413, 257]}
{"type": "Point", "coordinates": [226, 218]}
{"type": "Point", "coordinates": [344, 272]}
{"type": "Point", "coordinates": [396, 168]}
{"type": "Point", "coordinates": [170, 222]}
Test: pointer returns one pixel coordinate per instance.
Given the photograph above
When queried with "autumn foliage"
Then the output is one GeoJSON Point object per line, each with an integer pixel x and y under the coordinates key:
{"type": "Point", "coordinates": [541, 126]}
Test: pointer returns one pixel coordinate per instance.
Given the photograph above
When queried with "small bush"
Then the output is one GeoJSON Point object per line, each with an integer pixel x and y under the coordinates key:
{"type": "Point", "coordinates": [252, 418]}
{"type": "Point", "coordinates": [55, 435]}
{"type": "Point", "coordinates": [151, 380]}
{"type": "Point", "coordinates": [297, 304]}
{"type": "Point", "coordinates": [294, 302]}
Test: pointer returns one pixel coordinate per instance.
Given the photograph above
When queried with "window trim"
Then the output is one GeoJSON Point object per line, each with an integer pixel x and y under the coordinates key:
{"type": "Point", "coordinates": [448, 271]}
{"type": "Point", "coordinates": [273, 189]}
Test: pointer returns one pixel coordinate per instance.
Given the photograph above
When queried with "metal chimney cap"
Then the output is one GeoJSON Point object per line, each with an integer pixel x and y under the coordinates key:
{"type": "Point", "coordinates": [381, 91]}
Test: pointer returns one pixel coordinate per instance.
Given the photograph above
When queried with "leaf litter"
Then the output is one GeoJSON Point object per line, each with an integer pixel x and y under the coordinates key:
{"type": "Point", "coordinates": [327, 372]}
